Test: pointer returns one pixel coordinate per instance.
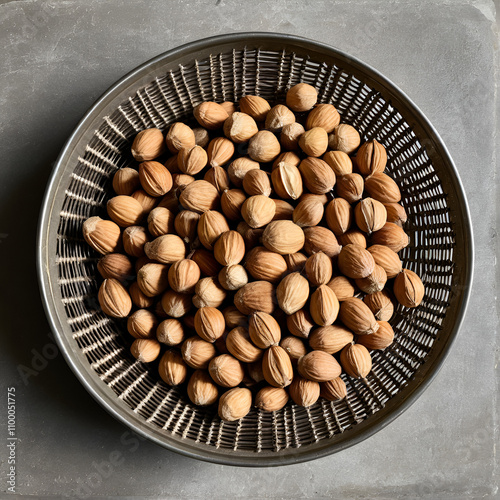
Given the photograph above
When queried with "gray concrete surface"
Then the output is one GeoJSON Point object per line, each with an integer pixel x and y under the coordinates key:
{"type": "Point", "coordinates": [57, 58]}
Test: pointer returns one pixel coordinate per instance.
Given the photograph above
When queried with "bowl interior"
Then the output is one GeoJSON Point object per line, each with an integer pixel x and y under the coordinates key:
{"type": "Point", "coordinates": [224, 69]}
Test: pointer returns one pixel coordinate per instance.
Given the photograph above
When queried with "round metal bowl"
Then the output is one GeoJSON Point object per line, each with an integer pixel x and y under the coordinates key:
{"type": "Point", "coordinates": [164, 90]}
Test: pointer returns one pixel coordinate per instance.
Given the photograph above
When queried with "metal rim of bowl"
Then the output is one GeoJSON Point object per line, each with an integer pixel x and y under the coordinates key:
{"type": "Point", "coordinates": [401, 402]}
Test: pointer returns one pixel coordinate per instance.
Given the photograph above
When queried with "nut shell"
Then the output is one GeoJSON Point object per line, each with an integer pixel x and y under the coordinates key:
{"type": "Point", "coordinates": [148, 145]}
{"type": "Point", "coordinates": [271, 398]}
{"type": "Point", "coordinates": [357, 317]}
{"type": "Point", "coordinates": [235, 404]}
{"type": "Point", "coordinates": [277, 367]}
{"type": "Point", "coordinates": [319, 366]}
{"type": "Point", "coordinates": [330, 338]}
{"type": "Point", "coordinates": [408, 288]}
{"type": "Point", "coordinates": [356, 360]}
{"type": "Point", "coordinates": [283, 237]}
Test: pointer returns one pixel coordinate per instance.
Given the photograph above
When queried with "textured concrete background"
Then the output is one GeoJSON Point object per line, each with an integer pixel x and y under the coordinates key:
{"type": "Point", "coordinates": [58, 57]}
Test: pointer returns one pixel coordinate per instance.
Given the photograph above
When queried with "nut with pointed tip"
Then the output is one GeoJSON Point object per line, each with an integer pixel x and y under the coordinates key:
{"type": "Point", "coordinates": [304, 392]}
{"type": "Point", "coordinates": [220, 151]}
{"type": "Point", "coordinates": [318, 366]}
{"type": "Point", "coordinates": [238, 343]}
{"type": "Point", "coordinates": [148, 144]}
{"type": "Point", "coordinates": [256, 296]}
{"type": "Point", "coordinates": [183, 276]}
{"type": "Point", "coordinates": [339, 216]}
{"type": "Point", "coordinates": [356, 360]}
{"type": "Point", "coordinates": [383, 188]}
{"type": "Point", "coordinates": [371, 158]}
{"type": "Point", "coordinates": [166, 249]}
{"type": "Point", "coordinates": [392, 236]}
{"type": "Point", "coordinates": [324, 116]}
{"type": "Point", "coordinates": [200, 196]}
{"type": "Point", "coordinates": [283, 237]}
{"type": "Point", "coordinates": [381, 339]}
{"type": "Point", "coordinates": [172, 368]}
{"type": "Point", "coordinates": [117, 266]}
{"type": "Point", "coordinates": [278, 117]}
{"type": "Point", "coordinates": [176, 304]}
{"type": "Point", "coordinates": [287, 181]}
{"type": "Point", "coordinates": [114, 299]}
{"type": "Point", "coordinates": [192, 160]}
{"type": "Point", "coordinates": [263, 329]}
{"type": "Point", "coordinates": [210, 227]}
{"type": "Point", "coordinates": [226, 370]}
{"type": "Point", "coordinates": [152, 278]}
{"type": "Point", "coordinates": [330, 338]}
{"type": "Point", "coordinates": [380, 304]}
{"type": "Point", "coordinates": [333, 390]}
{"type": "Point", "coordinates": [301, 97]}
{"type": "Point", "coordinates": [319, 269]}
{"type": "Point", "coordinates": [126, 181]}
{"type": "Point", "coordinates": [271, 398]}
{"type": "Point", "coordinates": [160, 221]}
{"type": "Point", "coordinates": [370, 214]}
{"type": "Point", "coordinates": [324, 306]}
{"type": "Point", "coordinates": [408, 288]}
{"type": "Point", "coordinates": [201, 389]}
{"type": "Point", "coordinates": [262, 264]}
{"type": "Point", "coordinates": [374, 282]}
{"type": "Point", "coordinates": [320, 239]}
{"type": "Point", "coordinates": [350, 187]}
{"type": "Point", "coordinates": [142, 324]}
{"type": "Point", "coordinates": [179, 136]}
{"type": "Point", "coordinates": [197, 352]}
{"type": "Point", "coordinates": [357, 317]}
{"type": "Point", "coordinates": [256, 182]}
{"type": "Point", "coordinates": [314, 142]}
{"type": "Point", "coordinates": [239, 168]}
{"type": "Point", "coordinates": [344, 138]}
{"type": "Point", "coordinates": [292, 293]}
{"type": "Point", "coordinates": [209, 293]}
{"type": "Point", "coordinates": [295, 348]}
{"type": "Point", "coordinates": [134, 238]}
{"type": "Point", "coordinates": [233, 277]}
{"type": "Point", "coordinates": [124, 211]}
{"type": "Point", "coordinates": [355, 262]}
{"type": "Point", "coordinates": [235, 404]}
{"type": "Point", "coordinates": [145, 350]}
{"type": "Point", "coordinates": [343, 287]}
{"type": "Point", "coordinates": [170, 332]}
{"type": "Point", "coordinates": [229, 249]}
{"type": "Point", "coordinates": [300, 323]}
{"type": "Point", "coordinates": [240, 127]}
{"type": "Point", "coordinates": [210, 115]}
{"type": "Point", "coordinates": [318, 177]}
{"type": "Point", "coordinates": [339, 162]}
{"type": "Point", "coordinates": [264, 147]}
{"type": "Point", "coordinates": [255, 106]}
{"type": "Point", "coordinates": [277, 367]}
{"type": "Point", "coordinates": [209, 323]}
{"type": "Point", "coordinates": [257, 211]}
{"type": "Point", "coordinates": [231, 202]}
{"type": "Point", "coordinates": [290, 135]}
{"type": "Point", "coordinates": [308, 212]}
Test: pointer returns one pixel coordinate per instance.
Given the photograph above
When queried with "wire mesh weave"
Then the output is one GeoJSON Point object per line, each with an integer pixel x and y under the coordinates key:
{"type": "Point", "coordinates": [226, 77]}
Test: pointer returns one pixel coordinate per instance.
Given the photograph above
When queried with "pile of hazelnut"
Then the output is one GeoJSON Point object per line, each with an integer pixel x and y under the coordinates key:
{"type": "Point", "coordinates": [260, 253]}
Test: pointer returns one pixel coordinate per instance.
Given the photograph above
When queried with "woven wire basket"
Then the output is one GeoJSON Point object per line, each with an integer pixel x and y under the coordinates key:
{"type": "Point", "coordinates": [165, 90]}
